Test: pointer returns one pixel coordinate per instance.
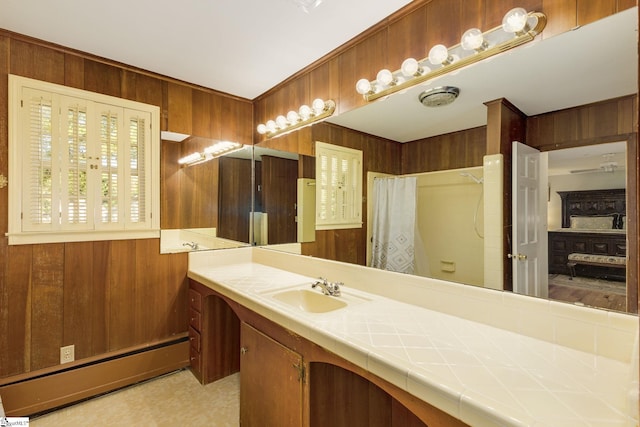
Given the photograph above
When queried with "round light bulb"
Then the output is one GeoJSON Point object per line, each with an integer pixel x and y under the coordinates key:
{"type": "Point", "coordinates": [439, 54]}
{"type": "Point", "coordinates": [271, 126]}
{"type": "Point", "coordinates": [363, 86]}
{"type": "Point", "coordinates": [262, 128]}
{"type": "Point", "coordinates": [515, 20]}
{"type": "Point", "coordinates": [293, 117]}
{"type": "Point", "coordinates": [305, 112]}
{"type": "Point", "coordinates": [410, 67]}
{"type": "Point", "coordinates": [317, 105]}
{"type": "Point", "coordinates": [384, 77]}
{"type": "Point", "coordinates": [281, 121]}
{"type": "Point", "coordinates": [472, 39]}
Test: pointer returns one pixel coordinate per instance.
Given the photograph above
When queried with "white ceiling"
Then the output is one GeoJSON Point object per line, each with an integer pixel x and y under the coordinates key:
{"type": "Point", "coordinates": [241, 47]}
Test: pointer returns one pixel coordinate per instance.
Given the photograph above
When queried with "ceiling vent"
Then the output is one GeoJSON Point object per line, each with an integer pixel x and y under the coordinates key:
{"type": "Point", "coordinates": [439, 96]}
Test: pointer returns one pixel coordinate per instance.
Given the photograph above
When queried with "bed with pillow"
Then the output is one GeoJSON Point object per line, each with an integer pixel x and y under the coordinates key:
{"type": "Point", "coordinates": [593, 233]}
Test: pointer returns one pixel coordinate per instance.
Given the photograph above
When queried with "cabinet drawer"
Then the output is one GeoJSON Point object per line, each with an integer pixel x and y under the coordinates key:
{"type": "Point", "coordinates": [194, 339]}
{"type": "Point", "coordinates": [195, 320]}
{"type": "Point", "coordinates": [196, 363]}
{"type": "Point", "coordinates": [195, 300]}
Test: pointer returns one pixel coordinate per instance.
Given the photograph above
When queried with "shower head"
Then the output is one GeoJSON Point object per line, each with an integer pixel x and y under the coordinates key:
{"type": "Point", "coordinates": [473, 177]}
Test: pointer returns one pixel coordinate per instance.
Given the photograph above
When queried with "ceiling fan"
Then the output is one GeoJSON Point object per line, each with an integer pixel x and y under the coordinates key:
{"type": "Point", "coordinates": [607, 166]}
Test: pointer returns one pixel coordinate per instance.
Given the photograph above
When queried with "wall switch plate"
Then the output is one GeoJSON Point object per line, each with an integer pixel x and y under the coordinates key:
{"type": "Point", "coordinates": [67, 354]}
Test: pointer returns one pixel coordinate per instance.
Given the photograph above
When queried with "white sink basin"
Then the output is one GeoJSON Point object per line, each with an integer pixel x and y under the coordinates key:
{"type": "Point", "coordinates": [313, 300]}
{"type": "Point", "coordinates": [309, 300]}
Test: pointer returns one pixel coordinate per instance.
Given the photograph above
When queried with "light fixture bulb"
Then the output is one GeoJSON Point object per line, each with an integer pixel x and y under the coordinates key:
{"type": "Point", "coordinates": [439, 55]}
{"type": "Point", "coordinates": [305, 112]}
{"type": "Point", "coordinates": [293, 117]}
{"type": "Point", "coordinates": [384, 77]}
{"type": "Point", "coordinates": [262, 128]}
{"type": "Point", "coordinates": [363, 86]}
{"type": "Point", "coordinates": [473, 39]}
{"type": "Point", "coordinates": [515, 20]}
{"type": "Point", "coordinates": [317, 105]}
{"type": "Point", "coordinates": [271, 126]}
{"type": "Point", "coordinates": [281, 121]}
{"type": "Point", "coordinates": [410, 67]}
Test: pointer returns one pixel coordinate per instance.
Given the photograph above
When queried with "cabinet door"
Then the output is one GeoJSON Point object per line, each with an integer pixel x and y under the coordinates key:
{"type": "Point", "coordinates": [271, 380]}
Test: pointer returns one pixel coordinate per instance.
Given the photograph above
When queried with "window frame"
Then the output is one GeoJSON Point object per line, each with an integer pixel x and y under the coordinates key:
{"type": "Point", "coordinates": [353, 195]}
{"type": "Point", "coordinates": [149, 228]}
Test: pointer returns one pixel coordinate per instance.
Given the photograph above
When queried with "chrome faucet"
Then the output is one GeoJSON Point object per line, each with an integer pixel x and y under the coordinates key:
{"type": "Point", "coordinates": [192, 245]}
{"type": "Point", "coordinates": [327, 287]}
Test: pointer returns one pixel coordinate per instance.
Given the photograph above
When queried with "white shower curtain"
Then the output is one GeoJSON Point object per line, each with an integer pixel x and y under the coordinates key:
{"type": "Point", "coordinates": [394, 224]}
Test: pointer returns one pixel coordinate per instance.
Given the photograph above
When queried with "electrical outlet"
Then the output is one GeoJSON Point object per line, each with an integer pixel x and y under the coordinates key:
{"type": "Point", "coordinates": [67, 354]}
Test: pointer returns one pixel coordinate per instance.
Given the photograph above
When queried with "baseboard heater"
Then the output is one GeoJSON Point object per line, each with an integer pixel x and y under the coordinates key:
{"type": "Point", "coordinates": [41, 392]}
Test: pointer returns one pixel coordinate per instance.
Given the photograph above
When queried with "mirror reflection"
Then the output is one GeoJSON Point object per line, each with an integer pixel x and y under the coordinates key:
{"type": "Point", "coordinates": [540, 81]}
{"type": "Point", "coordinates": [205, 205]}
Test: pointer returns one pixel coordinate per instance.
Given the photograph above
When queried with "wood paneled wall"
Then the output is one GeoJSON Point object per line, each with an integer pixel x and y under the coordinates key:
{"type": "Point", "coordinates": [409, 33]}
{"type": "Point", "coordinates": [279, 197]}
{"type": "Point", "coordinates": [451, 151]}
{"type": "Point", "coordinates": [234, 199]}
{"type": "Point", "coordinates": [109, 295]}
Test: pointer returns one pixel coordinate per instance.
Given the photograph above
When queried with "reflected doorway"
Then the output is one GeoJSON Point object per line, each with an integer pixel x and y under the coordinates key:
{"type": "Point", "coordinates": [587, 230]}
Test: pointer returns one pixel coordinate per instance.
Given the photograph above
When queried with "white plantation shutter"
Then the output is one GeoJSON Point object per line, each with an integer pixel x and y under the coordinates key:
{"type": "Point", "coordinates": [137, 163]}
{"type": "Point", "coordinates": [40, 204]}
{"type": "Point", "coordinates": [110, 166]}
{"type": "Point", "coordinates": [75, 187]}
{"type": "Point", "coordinates": [84, 166]}
{"type": "Point", "coordinates": [338, 187]}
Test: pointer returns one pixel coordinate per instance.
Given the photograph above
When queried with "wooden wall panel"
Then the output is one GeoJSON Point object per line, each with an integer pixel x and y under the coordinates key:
{"type": "Point", "coordinates": [4, 131]}
{"type": "Point", "coordinates": [279, 194]}
{"type": "Point", "coordinates": [234, 199]}
{"type": "Point", "coordinates": [73, 71]}
{"type": "Point", "coordinates": [78, 301]}
{"type": "Point", "coordinates": [170, 193]}
{"type": "Point", "coordinates": [590, 11]}
{"type": "Point", "coordinates": [179, 108]}
{"type": "Point", "coordinates": [604, 121]}
{"type": "Point", "coordinates": [411, 27]}
{"type": "Point", "coordinates": [102, 78]}
{"type": "Point", "coordinates": [100, 298]}
{"type": "Point", "coordinates": [47, 295]}
{"type": "Point", "coordinates": [443, 23]}
{"type": "Point", "coordinates": [123, 294]}
{"type": "Point", "coordinates": [451, 151]}
{"type": "Point", "coordinates": [36, 62]}
{"type": "Point", "coordinates": [15, 313]}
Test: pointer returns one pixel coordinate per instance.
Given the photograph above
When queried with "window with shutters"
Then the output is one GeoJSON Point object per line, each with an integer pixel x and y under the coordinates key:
{"type": "Point", "coordinates": [338, 187]}
{"type": "Point", "coordinates": [83, 166]}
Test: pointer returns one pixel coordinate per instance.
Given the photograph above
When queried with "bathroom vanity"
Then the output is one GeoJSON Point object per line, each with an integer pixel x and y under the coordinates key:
{"type": "Point", "coordinates": [412, 360]}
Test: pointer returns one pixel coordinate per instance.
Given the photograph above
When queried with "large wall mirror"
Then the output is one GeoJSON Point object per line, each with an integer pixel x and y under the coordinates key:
{"type": "Point", "coordinates": [556, 74]}
{"type": "Point", "coordinates": [205, 205]}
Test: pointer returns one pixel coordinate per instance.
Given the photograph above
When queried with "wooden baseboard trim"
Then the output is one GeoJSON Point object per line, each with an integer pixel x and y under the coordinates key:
{"type": "Point", "coordinates": [47, 392]}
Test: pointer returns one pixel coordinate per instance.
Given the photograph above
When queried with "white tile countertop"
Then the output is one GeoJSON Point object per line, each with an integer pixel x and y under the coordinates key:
{"type": "Point", "coordinates": [481, 374]}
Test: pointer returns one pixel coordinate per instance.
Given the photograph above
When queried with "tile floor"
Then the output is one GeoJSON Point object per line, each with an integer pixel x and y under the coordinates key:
{"type": "Point", "coordinates": [174, 399]}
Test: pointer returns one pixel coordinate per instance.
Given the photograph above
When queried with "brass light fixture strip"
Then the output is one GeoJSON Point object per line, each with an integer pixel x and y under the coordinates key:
{"type": "Point", "coordinates": [519, 39]}
{"type": "Point", "coordinates": [329, 109]}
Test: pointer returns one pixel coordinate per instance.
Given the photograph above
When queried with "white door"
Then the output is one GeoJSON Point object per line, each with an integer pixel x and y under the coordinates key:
{"type": "Point", "coordinates": [529, 236]}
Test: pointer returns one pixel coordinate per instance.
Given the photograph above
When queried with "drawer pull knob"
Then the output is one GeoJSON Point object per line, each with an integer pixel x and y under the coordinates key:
{"type": "Point", "coordinates": [243, 350]}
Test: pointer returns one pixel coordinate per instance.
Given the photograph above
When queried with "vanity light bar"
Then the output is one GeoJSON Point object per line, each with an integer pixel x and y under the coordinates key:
{"type": "Point", "coordinates": [305, 116]}
{"type": "Point", "coordinates": [218, 149]}
{"type": "Point", "coordinates": [518, 27]}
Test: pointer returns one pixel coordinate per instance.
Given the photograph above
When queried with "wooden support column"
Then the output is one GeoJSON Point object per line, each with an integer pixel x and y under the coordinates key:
{"type": "Point", "coordinates": [505, 123]}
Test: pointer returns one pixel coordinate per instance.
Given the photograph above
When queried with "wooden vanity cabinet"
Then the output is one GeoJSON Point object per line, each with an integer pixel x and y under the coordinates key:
{"type": "Point", "coordinates": [271, 379]}
{"type": "Point", "coordinates": [214, 334]}
{"type": "Point", "coordinates": [287, 380]}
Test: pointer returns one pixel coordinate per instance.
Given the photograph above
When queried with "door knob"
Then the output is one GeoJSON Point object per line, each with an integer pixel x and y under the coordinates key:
{"type": "Point", "coordinates": [519, 257]}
